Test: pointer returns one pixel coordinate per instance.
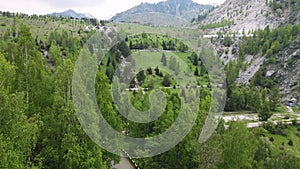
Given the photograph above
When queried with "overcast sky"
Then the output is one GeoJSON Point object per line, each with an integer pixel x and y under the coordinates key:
{"type": "Point", "coordinates": [102, 9]}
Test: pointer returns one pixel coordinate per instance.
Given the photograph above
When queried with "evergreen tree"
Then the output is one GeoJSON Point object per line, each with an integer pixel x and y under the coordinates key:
{"type": "Point", "coordinates": [166, 81]}
{"type": "Point", "coordinates": [242, 148]}
{"type": "Point", "coordinates": [164, 59]}
{"type": "Point", "coordinates": [196, 72]}
{"type": "Point", "coordinates": [196, 60]}
{"type": "Point", "coordinates": [274, 98]}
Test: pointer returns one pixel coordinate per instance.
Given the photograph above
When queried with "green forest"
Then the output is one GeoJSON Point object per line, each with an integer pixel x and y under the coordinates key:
{"type": "Point", "coordinates": [39, 127]}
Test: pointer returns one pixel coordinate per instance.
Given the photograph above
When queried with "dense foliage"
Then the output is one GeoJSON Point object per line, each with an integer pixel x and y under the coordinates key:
{"type": "Point", "coordinates": [262, 95]}
{"type": "Point", "coordinates": [39, 128]}
{"type": "Point", "coordinates": [223, 23]}
{"type": "Point", "coordinates": [148, 41]}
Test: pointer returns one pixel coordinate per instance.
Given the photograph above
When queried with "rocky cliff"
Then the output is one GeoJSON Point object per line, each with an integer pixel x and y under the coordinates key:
{"type": "Point", "coordinates": [245, 15]}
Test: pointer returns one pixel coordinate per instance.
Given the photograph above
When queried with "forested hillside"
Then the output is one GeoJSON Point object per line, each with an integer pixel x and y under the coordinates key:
{"type": "Point", "coordinates": [39, 127]}
{"type": "Point", "coordinates": [260, 38]}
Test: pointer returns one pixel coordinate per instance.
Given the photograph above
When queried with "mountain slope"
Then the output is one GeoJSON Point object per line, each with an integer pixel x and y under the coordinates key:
{"type": "Point", "coordinates": [184, 9]}
{"type": "Point", "coordinates": [72, 14]}
{"type": "Point", "coordinates": [286, 70]}
{"type": "Point", "coordinates": [246, 15]}
{"type": "Point", "coordinates": [274, 67]}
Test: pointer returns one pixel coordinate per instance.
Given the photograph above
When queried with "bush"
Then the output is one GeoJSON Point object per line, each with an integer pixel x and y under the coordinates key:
{"type": "Point", "coordinates": [269, 126]}
{"type": "Point", "coordinates": [286, 117]}
{"type": "Point", "coordinates": [281, 125]}
{"type": "Point", "coordinates": [3, 24]}
{"type": "Point", "coordinates": [290, 143]}
{"type": "Point", "coordinates": [281, 132]}
{"type": "Point", "coordinates": [226, 51]}
{"type": "Point", "coordinates": [271, 139]}
{"type": "Point", "coordinates": [272, 59]}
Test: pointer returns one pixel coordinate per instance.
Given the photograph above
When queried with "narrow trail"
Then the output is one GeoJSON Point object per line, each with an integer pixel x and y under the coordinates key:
{"type": "Point", "coordinates": [124, 164]}
{"type": "Point", "coordinates": [290, 110]}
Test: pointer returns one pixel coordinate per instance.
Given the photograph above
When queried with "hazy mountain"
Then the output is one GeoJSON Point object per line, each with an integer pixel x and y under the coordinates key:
{"type": "Point", "coordinates": [184, 9]}
{"type": "Point", "coordinates": [71, 13]}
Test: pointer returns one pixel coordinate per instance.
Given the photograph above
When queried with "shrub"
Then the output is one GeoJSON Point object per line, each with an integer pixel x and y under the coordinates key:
{"type": "Point", "coordinates": [286, 117]}
{"type": "Point", "coordinates": [282, 146]}
{"type": "Point", "coordinates": [269, 126]}
{"type": "Point", "coordinates": [3, 24]}
{"type": "Point", "coordinates": [281, 125]}
{"type": "Point", "coordinates": [272, 59]}
{"type": "Point", "coordinates": [226, 51]}
{"type": "Point", "coordinates": [281, 132]}
{"type": "Point", "coordinates": [290, 142]}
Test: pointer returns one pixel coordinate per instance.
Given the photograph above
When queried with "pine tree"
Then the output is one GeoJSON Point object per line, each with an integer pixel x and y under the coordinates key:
{"type": "Point", "coordinates": [196, 60]}
{"type": "Point", "coordinates": [196, 72]}
{"type": "Point", "coordinates": [164, 59]}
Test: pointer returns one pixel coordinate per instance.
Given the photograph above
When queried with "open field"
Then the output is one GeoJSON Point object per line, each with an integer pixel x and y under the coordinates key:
{"type": "Point", "coordinates": [43, 27]}
{"type": "Point", "coordinates": [152, 59]}
{"type": "Point", "coordinates": [281, 141]}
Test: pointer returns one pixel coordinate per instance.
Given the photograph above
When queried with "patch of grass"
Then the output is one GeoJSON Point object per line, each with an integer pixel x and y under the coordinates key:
{"type": "Point", "coordinates": [154, 41]}
{"type": "Point", "coordinates": [241, 112]}
{"type": "Point", "coordinates": [223, 23]}
{"type": "Point", "coordinates": [147, 59]}
{"type": "Point", "coordinates": [291, 132]}
{"type": "Point", "coordinates": [43, 28]}
{"type": "Point", "coordinates": [296, 109]}
{"type": "Point", "coordinates": [280, 109]}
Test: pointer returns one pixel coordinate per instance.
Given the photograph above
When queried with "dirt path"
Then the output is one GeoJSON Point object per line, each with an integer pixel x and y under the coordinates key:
{"type": "Point", "coordinates": [290, 110]}
{"type": "Point", "coordinates": [124, 164]}
{"type": "Point", "coordinates": [254, 121]}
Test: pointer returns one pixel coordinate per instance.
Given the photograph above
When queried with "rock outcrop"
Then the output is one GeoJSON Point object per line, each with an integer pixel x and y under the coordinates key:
{"type": "Point", "coordinates": [246, 15]}
{"type": "Point", "coordinates": [286, 70]}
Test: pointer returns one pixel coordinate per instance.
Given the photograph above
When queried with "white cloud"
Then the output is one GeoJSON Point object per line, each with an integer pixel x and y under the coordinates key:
{"type": "Point", "coordinates": [209, 1]}
{"type": "Point", "coordinates": [73, 3]}
{"type": "Point", "coordinates": [103, 9]}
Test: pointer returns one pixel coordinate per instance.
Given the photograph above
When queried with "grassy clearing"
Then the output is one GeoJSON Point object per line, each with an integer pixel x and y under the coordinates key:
{"type": "Point", "coordinates": [217, 24]}
{"type": "Point", "coordinates": [241, 112]}
{"type": "Point", "coordinates": [291, 134]}
{"type": "Point", "coordinates": [148, 59]}
{"type": "Point", "coordinates": [188, 36]}
{"type": "Point", "coordinates": [42, 28]}
{"type": "Point", "coordinates": [281, 109]}
{"type": "Point", "coordinates": [138, 29]}
{"type": "Point", "coordinates": [296, 110]}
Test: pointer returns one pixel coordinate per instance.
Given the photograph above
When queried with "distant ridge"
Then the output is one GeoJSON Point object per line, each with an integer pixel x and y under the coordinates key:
{"type": "Point", "coordinates": [72, 14]}
{"type": "Point", "coordinates": [184, 9]}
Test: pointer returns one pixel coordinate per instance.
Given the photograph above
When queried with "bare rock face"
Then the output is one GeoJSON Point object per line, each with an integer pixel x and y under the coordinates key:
{"type": "Point", "coordinates": [250, 15]}
{"type": "Point", "coordinates": [287, 70]}
{"type": "Point", "coordinates": [254, 66]}
{"type": "Point", "coordinates": [293, 16]}
{"type": "Point", "coordinates": [246, 15]}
